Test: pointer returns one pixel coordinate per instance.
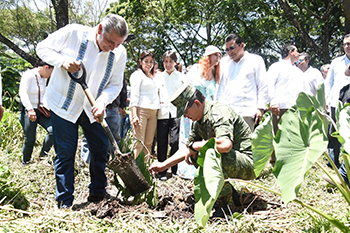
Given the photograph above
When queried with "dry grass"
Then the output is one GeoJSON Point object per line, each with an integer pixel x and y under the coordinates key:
{"type": "Point", "coordinates": [37, 183]}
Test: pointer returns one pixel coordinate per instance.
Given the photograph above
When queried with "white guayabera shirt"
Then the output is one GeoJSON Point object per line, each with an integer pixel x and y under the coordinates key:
{"type": "Point", "coordinates": [104, 71]}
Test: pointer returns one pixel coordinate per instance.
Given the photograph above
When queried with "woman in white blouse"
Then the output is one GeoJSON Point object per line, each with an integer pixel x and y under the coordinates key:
{"type": "Point", "coordinates": [32, 81]}
{"type": "Point", "coordinates": [144, 102]}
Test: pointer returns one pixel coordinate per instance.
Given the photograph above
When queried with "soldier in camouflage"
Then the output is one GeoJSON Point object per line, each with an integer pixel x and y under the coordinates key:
{"type": "Point", "coordinates": [212, 120]}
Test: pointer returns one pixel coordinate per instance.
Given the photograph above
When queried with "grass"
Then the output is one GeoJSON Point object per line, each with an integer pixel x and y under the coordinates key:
{"type": "Point", "coordinates": [36, 184]}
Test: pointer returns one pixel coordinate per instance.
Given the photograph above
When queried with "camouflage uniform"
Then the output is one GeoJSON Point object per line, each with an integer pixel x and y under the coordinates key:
{"type": "Point", "coordinates": [220, 121]}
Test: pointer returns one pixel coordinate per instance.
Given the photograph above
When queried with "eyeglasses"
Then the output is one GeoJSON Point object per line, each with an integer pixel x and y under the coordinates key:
{"type": "Point", "coordinates": [230, 49]}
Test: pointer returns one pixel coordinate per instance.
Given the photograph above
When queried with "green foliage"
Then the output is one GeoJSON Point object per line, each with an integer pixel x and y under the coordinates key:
{"type": "Point", "coordinates": [10, 81]}
{"type": "Point", "coordinates": [9, 193]}
{"type": "Point", "coordinates": [27, 28]}
{"type": "Point", "coordinates": [298, 144]}
{"type": "Point", "coordinates": [262, 143]}
{"type": "Point", "coordinates": [208, 181]}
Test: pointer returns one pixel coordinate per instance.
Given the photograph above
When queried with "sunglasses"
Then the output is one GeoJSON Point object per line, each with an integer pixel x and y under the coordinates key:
{"type": "Point", "coordinates": [230, 49]}
{"type": "Point", "coordinates": [298, 62]}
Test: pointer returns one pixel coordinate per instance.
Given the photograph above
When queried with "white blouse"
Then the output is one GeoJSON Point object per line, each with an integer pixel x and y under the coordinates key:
{"type": "Point", "coordinates": [28, 89]}
{"type": "Point", "coordinates": [144, 91]}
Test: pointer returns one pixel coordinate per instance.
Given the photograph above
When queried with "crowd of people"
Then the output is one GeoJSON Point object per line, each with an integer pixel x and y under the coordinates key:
{"type": "Point", "coordinates": [221, 96]}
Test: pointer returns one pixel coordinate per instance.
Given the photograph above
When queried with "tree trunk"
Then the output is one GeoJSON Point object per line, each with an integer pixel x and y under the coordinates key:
{"type": "Point", "coordinates": [32, 60]}
{"type": "Point", "coordinates": [61, 12]}
{"type": "Point", "coordinates": [321, 49]}
{"type": "Point", "coordinates": [346, 8]}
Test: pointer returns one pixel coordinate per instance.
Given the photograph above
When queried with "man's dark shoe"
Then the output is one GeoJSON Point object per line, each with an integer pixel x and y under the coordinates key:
{"type": "Point", "coordinates": [97, 197]}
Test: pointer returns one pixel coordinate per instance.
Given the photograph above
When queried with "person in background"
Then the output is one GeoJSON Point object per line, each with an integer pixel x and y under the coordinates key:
{"type": "Point", "coordinates": [144, 102]}
{"type": "Point", "coordinates": [284, 85]}
{"type": "Point", "coordinates": [342, 168]}
{"type": "Point", "coordinates": [168, 123]}
{"type": "Point", "coordinates": [312, 76]}
{"type": "Point", "coordinates": [32, 90]}
{"type": "Point", "coordinates": [324, 70]}
{"type": "Point", "coordinates": [125, 121]}
{"type": "Point", "coordinates": [204, 76]}
{"type": "Point", "coordinates": [1, 108]}
{"type": "Point", "coordinates": [243, 81]}
{"type": "Point", "coordinates": [100, 49]}
{"type": "Point", "coordinates": [335, 81]}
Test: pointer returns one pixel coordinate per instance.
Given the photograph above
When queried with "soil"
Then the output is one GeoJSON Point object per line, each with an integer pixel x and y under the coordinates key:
{"type": "Point", "coordinates": [176, 201]}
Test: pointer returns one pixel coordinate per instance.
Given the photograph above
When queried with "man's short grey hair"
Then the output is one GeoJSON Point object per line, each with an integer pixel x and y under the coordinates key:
{"type": "Point", "coordinates": [306, 55]}
{"type": "Point", "coordinates": [116, 22]}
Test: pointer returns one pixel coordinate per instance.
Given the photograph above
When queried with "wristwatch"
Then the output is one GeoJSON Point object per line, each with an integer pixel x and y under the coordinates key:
{"type": "Point", "coordinates": [191, 147]}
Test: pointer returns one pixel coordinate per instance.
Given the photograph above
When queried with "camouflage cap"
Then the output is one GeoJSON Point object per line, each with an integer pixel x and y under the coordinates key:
{"type": "Point", "coordinates": [181, 97]}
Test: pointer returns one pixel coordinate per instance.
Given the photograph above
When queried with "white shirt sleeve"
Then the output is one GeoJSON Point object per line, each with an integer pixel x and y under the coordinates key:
{"type": "Point", "coordinates": [272, 75]}
{"type": "Point", "coordinates": [27, 81]}
{"type": "Point", "coordinates": [49, 50]}
{"type": "Point", "coordinates": [262, 84]}
{"type": "Point", "coordinates": [135, 86]}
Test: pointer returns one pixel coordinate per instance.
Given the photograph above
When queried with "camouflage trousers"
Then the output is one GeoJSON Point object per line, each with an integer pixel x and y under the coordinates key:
{"type": "Point", "coordinates": [237, 165]}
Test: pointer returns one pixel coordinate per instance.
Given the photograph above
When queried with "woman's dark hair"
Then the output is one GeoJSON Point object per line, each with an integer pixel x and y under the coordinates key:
{"type": "Point", "coordinates": [42, 63]}
{"type": "Point", "coordinates": [143, 56]}
{"type": "Point", "coordinates": [170, 54]}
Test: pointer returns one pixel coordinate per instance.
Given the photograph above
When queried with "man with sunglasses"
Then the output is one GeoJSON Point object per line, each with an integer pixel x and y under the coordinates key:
{"type": "Point", "coordinates": [243, 83]}
{"type": "Point", "coordinates": [213, 120]}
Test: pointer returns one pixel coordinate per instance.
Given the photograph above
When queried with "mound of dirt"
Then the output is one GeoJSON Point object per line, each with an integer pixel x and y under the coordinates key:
{"type": "Point", "coordinates": [176, 201]}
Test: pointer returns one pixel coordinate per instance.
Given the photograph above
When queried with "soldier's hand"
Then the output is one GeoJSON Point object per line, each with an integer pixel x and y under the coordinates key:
{"type": "Point", "coordinates": [156, 167]}
{"type": "Point", "coordinates": [275, 109]}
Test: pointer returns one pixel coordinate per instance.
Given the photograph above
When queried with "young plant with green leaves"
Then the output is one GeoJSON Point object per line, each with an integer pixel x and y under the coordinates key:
{"type": "Point", "coordinates": [150, 196]}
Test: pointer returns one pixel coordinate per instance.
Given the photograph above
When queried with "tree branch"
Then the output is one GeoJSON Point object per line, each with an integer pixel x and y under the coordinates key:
{"type": "Point", "coordinates": [32, 60]}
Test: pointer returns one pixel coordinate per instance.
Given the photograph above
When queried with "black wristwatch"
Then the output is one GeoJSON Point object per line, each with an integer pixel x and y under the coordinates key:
{"type": "Point", "coordinates": [191, 147]}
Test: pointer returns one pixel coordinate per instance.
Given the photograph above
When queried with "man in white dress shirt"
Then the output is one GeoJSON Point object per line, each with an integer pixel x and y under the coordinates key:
{"type": "Point", "coordinates": [335, 81]}
{"type": "Point", "coordinates": [101, 50]}
{"type": "Point", "coordinates": [313, 77]}
{"type": "Point", "coordinates": [243, 83]}
{"type": "Point", "coordinates": [285, 83]}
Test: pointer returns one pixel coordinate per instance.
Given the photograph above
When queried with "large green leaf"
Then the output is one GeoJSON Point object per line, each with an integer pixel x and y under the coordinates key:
{"type": "Point", "coordinates": [262, 143]}
{"type": "Point", "coordinates": [208, 182]}
{"type": "Point", "coordinates": [298, 144]}
{"type": "Point", "coordinates": [306, 101]}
